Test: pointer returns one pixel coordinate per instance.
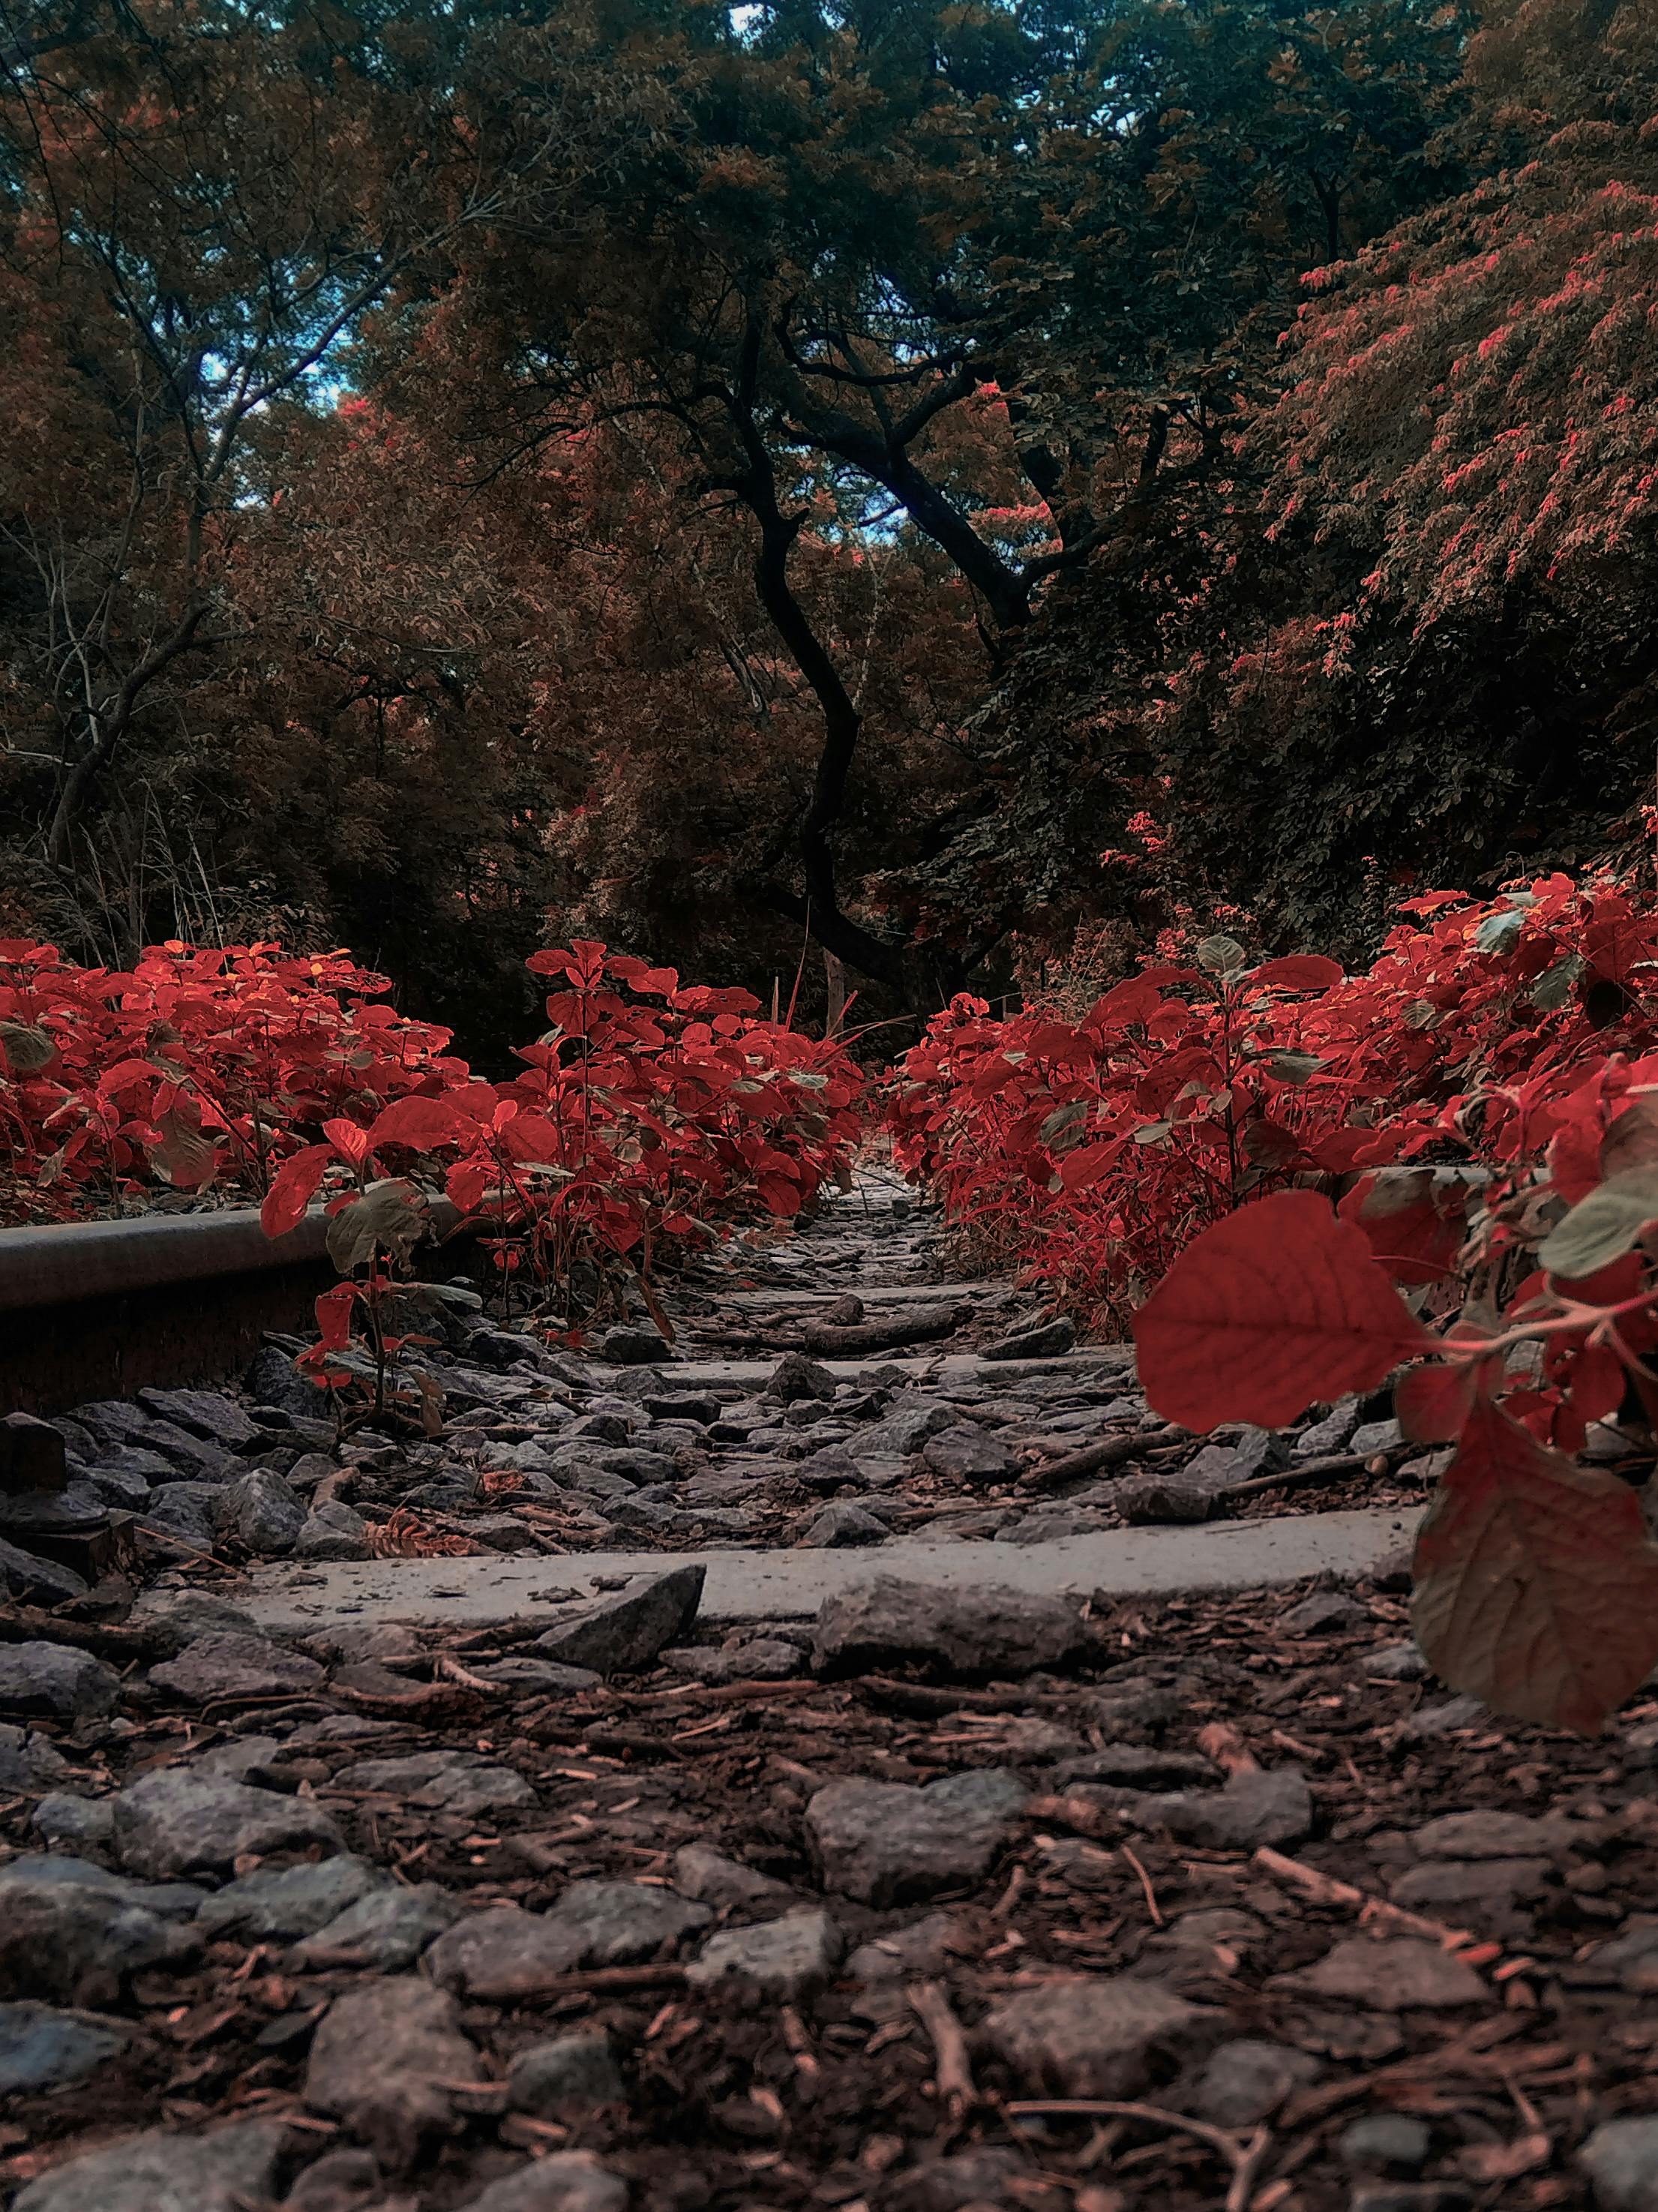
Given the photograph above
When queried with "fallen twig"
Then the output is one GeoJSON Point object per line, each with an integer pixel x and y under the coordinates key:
{"type": "Point", "coordinates": [957, 2091]}
{"type": "Point", "coordinates": [1245, 2156]}
{"type": "Point", "coordinates": [1049, 1475]}
{"type": "Point", "coordinates": [1373, 1911]}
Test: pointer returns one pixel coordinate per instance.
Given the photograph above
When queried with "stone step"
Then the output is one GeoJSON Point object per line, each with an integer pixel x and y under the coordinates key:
{"type": "Point", "coordinates": [751, 1585]}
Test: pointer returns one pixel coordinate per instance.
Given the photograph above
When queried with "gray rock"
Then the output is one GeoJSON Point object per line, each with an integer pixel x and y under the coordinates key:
{"type": "Point", "coordinates": [925, 1947]}
{"type": "Point", "coordinates": [28, 1763]}
{"type": "Point", "coordinates": [503, 1955]}
{"type": "Point", "coordinates": [1621, 2160]}
{"type": "Point", "coordinates": [339, 2181]}
{"type": "Point", "coordinates": [62, 1819]}
{"type": "Point", "coordinates": [271, 1381]}
{"type": "Point", "coordinates": [184, 1509]}
{"type": "Point", "coordinates": [1258, 1806]}
{"type": "Point", "coordinates": [1138, 1766]}
{"type": "Point", "coordinates": [37, 1580]}
{"type": "Point", "coordinates": [261, 1513]}
{"type": "Point", "coordinates": [1395, 1662]}
{"type": "Point", "coordinates": [1246, 2080]}
{"type": "Point", "coordinates": [1329, 1435]}
{"type": "Point", "coordinates": [762, 1659]}
{"type": "Point", "coordinates": [1325, 1612]}
{"type": "Point", "coordinates": [1396, 1974]}
{"type": "Point", "coordinates": [795, 1377]}
{"type": "Point", "coordinates": [969, 2181]}
{"type": "Point", "coordinates": [55, 1681]}
{"type": "Point", "coordinates": [1491, 1887]}
{"type": "Point", "coordinates": [838, 1527]}
{"type": "Point", "coordinates": [905, 1429]}
{"type": "Point", "coordinates": [283, 1903]}
{"type": "Point", "coordinates": [709, 1878]}
{"type": "Point", "coordinates": [162, 2172]}
{"type": "Point", "coordinates": [1125, 1705]}
{"type": "Point", "coordinates": [567, 2075]}
{"type": "Point", "coordinates": [634, 1347]}
{"type": "Point", "coordinates": [332, 1530]}
{"type": "Point", "coordinates": [205, 1413]}
{"type": "Point", "coordinates": [564, 2181]}
{"type": "Point", "coordinates": [967, 1454]}
{"type": "Point", "coordinates": [621, 1923]}
{"type": "Point", "coordinates": [1042, 1340]}
{"type": "Point", "coordinates": [1492, 1835]}
{"type": "Point", "coordinates": [623, 1630]}
{"type": "Point", "coordinates": [175, 1822]}
{"type": "Point", "coordinates": [1149, 1501]}
{"type": "Point", "coordinates": [885, 1843]}
{"type": "Point", "coordinates": [32, 1453]}
{"type": "Point", "coordinates": [226, 1664]}
{"type": "Point", "coordinates": [1446, 1719]}
{"type": "Point", "coordinates": [781, 1961]}
{"type": "Point", "coordinates": [41, 2049]}
{"type": "Point", "coordinates": [1373, 1437]}
{"type": "Point", "coordinates": [1628, 1962]}
{"type": "Point", "coordinates": [456, 1782]}
{"type": "Point", "coordinates": [984, 1630]}
{"type": "Point", "coordinates": [123, 1486]}
{"type": "Point", "coordinates": [71, 1931]}
{"type": "Point", "coordinates": [1096, 2035]}
{"type": "Point", "coordinates": [536, 1677]}
{"type": "Point", "coordinates": [380, 2062]}
{"type": "Point", "coordinates": [387, 1929]}
{"type": "Point", "coordinates": [1385, 2142]}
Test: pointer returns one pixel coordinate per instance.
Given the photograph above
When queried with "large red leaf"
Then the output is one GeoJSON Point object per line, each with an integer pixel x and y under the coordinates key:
{"type": "Point", "coordinates": [1536, 1581]}
{"type": "Point", "coordinates": [294, 1186]}
{"type": "Point", "coordinates": [1273, 1309]}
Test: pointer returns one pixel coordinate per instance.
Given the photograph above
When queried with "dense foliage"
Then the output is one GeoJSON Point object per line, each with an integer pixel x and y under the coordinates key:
{"type": "Point", "coordinates": [599, 457]}
{"type": "Point", "coordinates": [650, 1116]}
{"type": "Point", "coordinates": [1481, 1104]}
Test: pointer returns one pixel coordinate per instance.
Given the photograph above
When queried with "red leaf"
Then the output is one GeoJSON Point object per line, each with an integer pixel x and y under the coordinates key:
{"type": "Point", "coordinates": [333, 1310]}
{"type": "Point", "coordinates": [1415, 1225]}
{"type": "Point", "coordinates": [1537, 1583]}
{"type": "Point", "coordinates": [1433, 1404]}
{"type": "Point", "coordinates": [1275, 1308]}
{"type": "Point", "coordinates": [419, 1123]}
{"type": "Point", "coordinates": [1301, 971]}
{"type": "Point", "coordinates": [292, 1189]}
{"type": "Point", "coordinates": [350, 1142]}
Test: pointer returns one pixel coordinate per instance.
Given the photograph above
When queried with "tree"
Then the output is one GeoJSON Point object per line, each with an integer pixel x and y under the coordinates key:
{"type": "Point", "coordinates": [860, 222]}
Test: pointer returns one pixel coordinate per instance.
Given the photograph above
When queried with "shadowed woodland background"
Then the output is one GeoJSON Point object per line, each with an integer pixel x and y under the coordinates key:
{"type": "Point", "coordinates": [990, 483]}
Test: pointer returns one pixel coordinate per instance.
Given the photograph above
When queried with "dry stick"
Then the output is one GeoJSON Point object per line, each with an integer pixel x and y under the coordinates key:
{"type": "Point", "coordinates": [1151, 1905]}
{"type": "Point", "coordinates": [1093, 1458]}
{"type": "Point", "coordinates": [26, 1624]}
{"type": "Point", "coordinates": [1244, 2157]}
{"type": "Point", "coordinates": [1325, 1889]}
{"type": "Point", "coordinates": [957, 2091]}
{"type": "Point", "coordinates": [1321, 1470]}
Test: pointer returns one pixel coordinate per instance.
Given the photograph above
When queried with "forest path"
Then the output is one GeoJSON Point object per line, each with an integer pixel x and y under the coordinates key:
{"type": "Point", "coordinates": [941, 1464]}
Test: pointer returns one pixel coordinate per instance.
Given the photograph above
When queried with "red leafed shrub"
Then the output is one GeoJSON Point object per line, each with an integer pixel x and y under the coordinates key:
{"type": "Point", "coordinates": [191, 1068]}
{"type": "Point", "coordinates": [1447, 1165]}
{"type": "Point", "coordinates": [651, 1115]}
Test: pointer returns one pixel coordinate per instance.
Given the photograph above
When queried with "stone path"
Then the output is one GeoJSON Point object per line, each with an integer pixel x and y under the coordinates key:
{"type": "Point", "coordinates": [935, 1860]}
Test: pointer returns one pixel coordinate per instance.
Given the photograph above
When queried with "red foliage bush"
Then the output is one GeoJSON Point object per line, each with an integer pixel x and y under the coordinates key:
{"type": "Point", "coordinates": [649, 1111]}
{"type": "Point", "coordinates": [1483, 1102]}
{"type": "Point", "coordinates": [194, 1067]}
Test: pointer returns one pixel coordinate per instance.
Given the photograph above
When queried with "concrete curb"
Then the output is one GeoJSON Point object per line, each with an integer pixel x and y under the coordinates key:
{"type": "Point", "coordinates": [752, 1586]}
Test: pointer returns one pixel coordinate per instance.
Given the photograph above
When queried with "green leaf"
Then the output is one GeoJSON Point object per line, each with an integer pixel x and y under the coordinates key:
{"type": "Point", "coordinates": [1555, 985]}
{"type": "Point", "coordinates": [1294, 1067]}
{"type": "Point", "coordinates": [1061, 1119]}
{"type": "Point", "coordinates": [1221, 955]}
{"type": "Point", "coordinates": [391, 1215]}
{"type": "Point", "coordinates": [27, 1048]}
{"type": "Point", "coordinates": [1499, 933]}
{"type": "Point", "coordinates": [1603, 1226]}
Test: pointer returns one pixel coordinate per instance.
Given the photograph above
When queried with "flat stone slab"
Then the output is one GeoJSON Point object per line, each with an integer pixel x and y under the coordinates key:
{"type": "Point", "coordinates": [943, 1369]}
{"type": "Point", "coordinates": [749, 1585]}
